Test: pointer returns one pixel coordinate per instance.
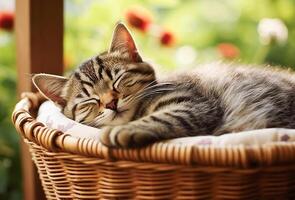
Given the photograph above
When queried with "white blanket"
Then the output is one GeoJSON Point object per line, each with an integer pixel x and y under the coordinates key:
{"type": "Point", "coordinates": [51, 116]}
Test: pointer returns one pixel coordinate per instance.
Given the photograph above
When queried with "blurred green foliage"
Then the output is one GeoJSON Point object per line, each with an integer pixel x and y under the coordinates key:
{"type": "Point", "coordinates": [10, 181]}
{"type": "Point", "coordinates": [201, 25]}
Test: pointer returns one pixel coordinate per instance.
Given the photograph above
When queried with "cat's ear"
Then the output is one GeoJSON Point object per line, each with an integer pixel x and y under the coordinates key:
{"type": "Point", "coordinates": [123, 42]}
{"type": "Point", "coordinates": [51, 87]}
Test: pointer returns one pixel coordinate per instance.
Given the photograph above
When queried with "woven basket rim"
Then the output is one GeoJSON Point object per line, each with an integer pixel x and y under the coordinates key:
{"type": "Point", "coordinates": [237, 156]}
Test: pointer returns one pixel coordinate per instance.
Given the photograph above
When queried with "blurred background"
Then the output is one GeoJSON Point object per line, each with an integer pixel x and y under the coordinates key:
{"type": "Point", "coordinates": [173, 34]}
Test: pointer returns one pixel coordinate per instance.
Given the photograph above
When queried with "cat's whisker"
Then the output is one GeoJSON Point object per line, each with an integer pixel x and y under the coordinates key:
{"type": "Point", "coordinates": [97, 122]}
{"type": "Point", "coordinates": [145, 89]}
{"type": "Point", "coordinates": [150, 90]}
{"type": "Point", "coordinates": [150, 93]}
{"type": "Point", "coordinates": [126, 99]}
{"type": "Point", "coordinates": [150, 84]}
{"type": "Point", "coordinates": [143, 95]}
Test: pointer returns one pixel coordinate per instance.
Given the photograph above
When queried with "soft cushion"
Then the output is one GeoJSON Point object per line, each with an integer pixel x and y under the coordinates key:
{"type": "Point", "coordinates": [51, 116]}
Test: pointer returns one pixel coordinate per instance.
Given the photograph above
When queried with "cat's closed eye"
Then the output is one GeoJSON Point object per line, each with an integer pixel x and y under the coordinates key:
{"type": "Point", "coordinates": [115, 90]}
{"type": "Point", "coordinates": [117, 81]}
{"type": "Point", "coordinates": [90, 102]}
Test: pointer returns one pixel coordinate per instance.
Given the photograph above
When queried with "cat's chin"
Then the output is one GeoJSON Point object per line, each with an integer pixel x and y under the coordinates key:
{"type": "Point", "coordinates": [110, 117]}
{"type": "Point", "coordinates": [115, 122]}
{"type": "Point", "coordinates": [119, 117]}
{"type": "Point", "coordinates": [120, 113]}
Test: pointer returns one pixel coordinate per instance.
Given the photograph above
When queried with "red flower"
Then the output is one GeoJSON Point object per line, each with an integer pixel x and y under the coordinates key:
{"type": "Point", "coordinates": [139, 18]}
{"type": "Point", "coordinates": [167, 38]}
{"type": "Point", "coordinates": [6, 20]}
{"type": "Point", "coordinates": [67, 61]}
{"type": "Point", "coordinates": [228, 50]}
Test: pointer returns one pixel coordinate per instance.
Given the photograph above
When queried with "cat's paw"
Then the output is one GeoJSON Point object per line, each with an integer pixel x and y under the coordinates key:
{"type": "Point", "coordinates": [126, 136]}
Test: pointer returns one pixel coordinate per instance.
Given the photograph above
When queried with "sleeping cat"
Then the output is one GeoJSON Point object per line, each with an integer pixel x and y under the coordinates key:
{"type": "Point", "coordinates": [119, 92]}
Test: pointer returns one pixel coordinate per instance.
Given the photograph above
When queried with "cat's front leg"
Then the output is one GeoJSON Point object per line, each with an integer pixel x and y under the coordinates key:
{"type": "Point", "coordinates": [157, 126]}
{"type": "Point", "coordinates": [164, 124]}
{"type": "Point", "coordinates": [154, 127]}
{"type": "Point", "coordinates": [127, 136]}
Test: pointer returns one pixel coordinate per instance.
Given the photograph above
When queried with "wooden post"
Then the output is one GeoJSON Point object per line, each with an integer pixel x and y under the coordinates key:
{"type": "Point", "coordinates": [39, 40]}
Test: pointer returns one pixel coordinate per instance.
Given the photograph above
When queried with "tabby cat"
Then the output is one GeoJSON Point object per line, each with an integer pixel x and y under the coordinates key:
{"type": "Point", "coordinates": [119, 92]}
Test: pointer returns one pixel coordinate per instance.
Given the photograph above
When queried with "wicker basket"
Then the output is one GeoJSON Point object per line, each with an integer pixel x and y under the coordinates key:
{"type": "Point", "coordinates": [73, 168]}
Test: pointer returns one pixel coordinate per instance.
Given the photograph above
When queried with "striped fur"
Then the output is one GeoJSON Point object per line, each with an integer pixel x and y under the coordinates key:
{"type": "Point", "coordinates": [214, 99]}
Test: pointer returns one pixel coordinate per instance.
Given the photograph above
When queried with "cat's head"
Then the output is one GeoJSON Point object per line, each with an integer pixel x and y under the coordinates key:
{"type": "Point", "coordinates": [102, 91]}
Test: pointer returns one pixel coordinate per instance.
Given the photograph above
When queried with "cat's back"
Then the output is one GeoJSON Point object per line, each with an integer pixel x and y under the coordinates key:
{"type": "Point", "coordinates": [252, 96]}
{"type": "Point", "coordinates": [247, 97]}
{"type": "Point", "coordinates": [220, 76]}
{"type": "Point", "coordinates": [235, 81]}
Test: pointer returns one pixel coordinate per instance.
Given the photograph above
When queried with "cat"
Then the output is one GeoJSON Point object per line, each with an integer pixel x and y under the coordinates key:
{"type": "Point", "coordinates": [119, 92]}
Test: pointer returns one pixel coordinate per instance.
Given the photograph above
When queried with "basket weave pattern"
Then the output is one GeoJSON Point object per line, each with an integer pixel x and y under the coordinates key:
{"type": "Point", "coordinates": [75, 168]}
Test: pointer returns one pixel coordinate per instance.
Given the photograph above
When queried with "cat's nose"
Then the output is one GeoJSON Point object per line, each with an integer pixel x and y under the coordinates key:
{"type": "Point", "coordinates": [112, 105]}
